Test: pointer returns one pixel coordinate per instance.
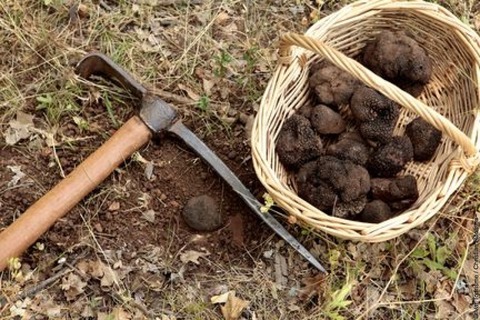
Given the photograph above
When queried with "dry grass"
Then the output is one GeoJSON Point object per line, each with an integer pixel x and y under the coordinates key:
{"type": "Point", "coordinates": [231, 46]}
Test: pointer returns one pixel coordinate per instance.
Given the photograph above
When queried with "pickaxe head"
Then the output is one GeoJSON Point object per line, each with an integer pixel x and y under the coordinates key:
{"type": "Point", "coordinates": [156, 113]}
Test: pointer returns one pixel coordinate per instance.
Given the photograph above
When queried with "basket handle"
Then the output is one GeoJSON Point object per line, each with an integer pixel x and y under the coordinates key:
{"type": "Point", "coordinates": [374, 81]}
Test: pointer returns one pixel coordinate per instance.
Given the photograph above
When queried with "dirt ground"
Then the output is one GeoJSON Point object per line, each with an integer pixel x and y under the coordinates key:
{"type": "Point", "coordinates": [124, 252]}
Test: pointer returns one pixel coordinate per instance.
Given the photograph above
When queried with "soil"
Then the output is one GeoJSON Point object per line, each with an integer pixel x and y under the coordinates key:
{"type": "Point", "coordinates": [113, 211]}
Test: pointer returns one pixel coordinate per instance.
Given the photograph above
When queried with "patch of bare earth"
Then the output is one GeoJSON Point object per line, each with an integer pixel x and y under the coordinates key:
{"type": "Point", "coordinates": [125, 252]}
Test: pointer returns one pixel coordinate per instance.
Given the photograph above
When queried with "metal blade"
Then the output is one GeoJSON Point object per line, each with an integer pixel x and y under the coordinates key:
{"type": "Point", "coordinates": [221, 168]}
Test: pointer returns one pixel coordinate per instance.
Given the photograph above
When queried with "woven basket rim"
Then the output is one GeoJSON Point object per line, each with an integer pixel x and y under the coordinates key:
{"type": "Point", "coordinates": [293, 64]}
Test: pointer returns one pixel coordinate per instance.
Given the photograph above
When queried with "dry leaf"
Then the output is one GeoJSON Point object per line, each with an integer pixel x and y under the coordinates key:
{"type": "Point", "coordinates": [19, 128]}
{"type": "Point", "coordinates": [233, 307]}
{"type": "Point", "coordinates": [221, 18]}
{"type": "Point", "coordinates": [109, 277]}
{"type": "Point", "coordinates": [281, 271]}
{"type": "Point", "coordinates": [149, 170]}
{"type": "Point", "coordinates": [73, 286]}
{"type": "Point", "coordinates": [208, 85]}
{"type": "Point", "coordinates": [191, 94]}
{"type": "Point", "coordinates": [18, 175]}
{"type": "Point", "coordinates": [99, 270]}
{"type": "Point", "coordinates": [221, 298]}
{"type": "Point", "coordinates": [87, 311]}
{"type": "Point", "coordinates": [192, 256]}
{"type": "Point", "coordinates": [120, 314]}
{"type": "Point", "coordinates": [149, 215]}
{"type": "Point", "coordinates": [461, 302]}
{"type": "Point", "coordinates": [476, 21]}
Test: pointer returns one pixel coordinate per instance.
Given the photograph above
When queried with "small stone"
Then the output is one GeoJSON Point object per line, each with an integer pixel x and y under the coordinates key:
{"type": "Point", "coordinates": [232, 155]}
{"type": "Point", "coordinates": [163, 197]}
{"type": "Point", "coordinates": [98, 227]}
{"type": "Point", "coordinates": [174, 204]}
{"type": "Point", "coordinates": [201, 213]}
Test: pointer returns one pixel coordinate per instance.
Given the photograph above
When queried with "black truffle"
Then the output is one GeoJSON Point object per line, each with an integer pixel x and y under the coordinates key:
{"type": "Point", "coordinates": [334, 186]}
{"type": "Point", "coordinates": [376, 113]}
{"type": "Point", "coordinates": [326, 121]}
{"type": "Point", "coordinates": [350, 146]}
{"type": "Point", "coordinates": [297, 142]}
{"type": "Point", "coordinates": [425, 138]}
{"type": "Point", "coordinates": [332, 85]}
{"type": "Point", "coordinates": [201, 213]}
{"type": "Point", "coordinates": [400, 193]}
{"type": "Point", "coordinates": [390, 159]}
{"type": "Point", "coordinates": [398, 58]}
{"type": "Point", "coordinates": [375, 211]}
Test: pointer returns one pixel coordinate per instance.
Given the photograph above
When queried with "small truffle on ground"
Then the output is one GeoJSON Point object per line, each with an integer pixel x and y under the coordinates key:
{"type": "Point", "coordinates": [334, 185]}
{"type": "Point", "coordinates": [297, 142]}
{"type": "Point", "coordinates": [425, 139]}
{"type": "Point", "coordinates": [350, 146]}
{"type": "Point", "coordinates": [326, 121]}
{"type": "Point", "coordinates": [398, 58]}
{"type": "Point", "coordinates": [201, 213]}
{"type": "Point", "coordinates": [400, 193]}
{"type": "Point", "coordinates": [391, 158]}
{"type": "Point", "coordinates": [332, 85]}
{"type": "Point", "coordinates": [377, 114]}
{"type": "Point", "coordinates": [375, 211]}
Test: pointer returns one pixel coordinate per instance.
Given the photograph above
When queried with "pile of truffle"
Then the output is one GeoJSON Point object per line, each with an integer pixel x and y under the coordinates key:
{"type": "Point", "coordinates": [342, 151]}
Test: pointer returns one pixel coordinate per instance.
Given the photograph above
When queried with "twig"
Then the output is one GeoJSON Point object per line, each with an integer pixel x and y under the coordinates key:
{"type": "Point", "coordinates": [42, 285]}
{"type": "Point", "coordinates": [105, 6]}
{"type": "Point", "coordinates": [135, 304]}
{"type": "Point", "coordinates": [32, 290]}
{"type": "Point", "coordinates": [57, 160]}
{"type": "Point", "coordinates": [171, 96]}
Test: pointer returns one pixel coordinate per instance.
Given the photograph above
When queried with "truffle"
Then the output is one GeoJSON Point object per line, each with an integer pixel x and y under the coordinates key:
{"type": "Point", "coordinates": [297, 142]}
{"type": "Point", "coordinates": [334, 186]}
{"type": "Point", "coordinates": [398, 58]}
{"type": "Point", "coordinates": [326, 121]}
{"type": "Point", "coordinates": [201, 213]}
{"type": "Point", "coordinates": [305, 110]}
{"type": "Point", "coordinates": [349, 209]}
{"type": "Point", "coordinates": [425, 139]}
{"type": "Point", "coordinates": [400, 193]}
{"type": "Point", "coordinates": [350, 146]}
{"type": "Point", "coordinates": [375, 211]}
{"type": "Point", "coordinates": [376, 113]}
{"type": "Point", "coordinates": [332, 85]}
{"type": "Point", "coordinates": [389, 159]}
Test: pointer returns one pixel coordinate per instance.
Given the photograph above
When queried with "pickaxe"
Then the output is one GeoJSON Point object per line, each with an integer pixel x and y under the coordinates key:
{"type": "Point", "coordinates": [155, 116]}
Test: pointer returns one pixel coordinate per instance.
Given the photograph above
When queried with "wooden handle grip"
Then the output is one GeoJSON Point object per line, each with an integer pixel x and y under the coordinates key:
{"type": "Point", "coordinates": [66, 194]}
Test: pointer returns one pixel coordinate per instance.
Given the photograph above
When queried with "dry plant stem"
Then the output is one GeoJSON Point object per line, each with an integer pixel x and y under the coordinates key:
{"type": "Point", "coordinates": [172, 97]}
{"type": "Point", "coordinates": [395, 272]}
{"type": "Point", "coordinates": [42, 285]}
{"type": "Point", "coordinates": [66, 194]}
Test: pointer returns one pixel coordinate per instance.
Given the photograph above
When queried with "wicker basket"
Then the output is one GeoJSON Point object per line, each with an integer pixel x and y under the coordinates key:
{"type": "Point", "coordinates": [450, 102]}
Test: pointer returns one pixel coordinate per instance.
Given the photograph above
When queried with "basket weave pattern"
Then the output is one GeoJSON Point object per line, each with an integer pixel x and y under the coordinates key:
{"type": "Point", "coordinates": [450, 102]}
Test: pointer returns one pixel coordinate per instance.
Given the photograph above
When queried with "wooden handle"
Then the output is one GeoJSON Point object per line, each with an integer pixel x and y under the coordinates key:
{"type": "Point", "coordinates": [65, 195]}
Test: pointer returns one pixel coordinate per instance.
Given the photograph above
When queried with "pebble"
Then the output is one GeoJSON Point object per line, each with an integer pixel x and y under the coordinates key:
{"type": "Point", "coordinates": [202, 214]}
